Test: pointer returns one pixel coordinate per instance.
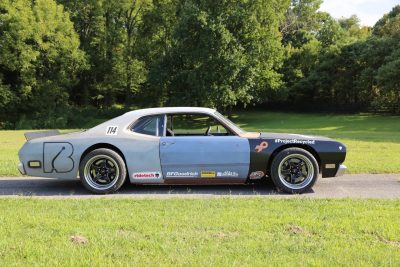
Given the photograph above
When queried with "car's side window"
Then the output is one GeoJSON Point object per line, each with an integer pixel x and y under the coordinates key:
{"type": "Point", "coordinates": [150, 125]}
{"type": "Point", "coordinates": [194, 125]}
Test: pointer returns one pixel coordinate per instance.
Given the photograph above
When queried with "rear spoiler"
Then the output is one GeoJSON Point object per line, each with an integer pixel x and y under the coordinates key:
{"type": "Point", "coordinates": [34, 135]}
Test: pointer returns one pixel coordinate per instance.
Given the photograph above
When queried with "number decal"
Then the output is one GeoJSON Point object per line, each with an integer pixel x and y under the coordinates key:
{"type": "Point", "coordinates": [57, 157]}
{"type": "Point", "coordinates": [112, 130]}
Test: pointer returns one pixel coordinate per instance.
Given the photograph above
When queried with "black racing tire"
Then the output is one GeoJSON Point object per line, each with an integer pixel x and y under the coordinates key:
{"type": "Point", "coordinates": [110, 167]}
{"type": "Point", "coordinates": [290, 162]}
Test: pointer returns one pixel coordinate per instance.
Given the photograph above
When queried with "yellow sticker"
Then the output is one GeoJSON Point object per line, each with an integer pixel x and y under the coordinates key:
{"type": "Point", "coordinates": [207, 174]}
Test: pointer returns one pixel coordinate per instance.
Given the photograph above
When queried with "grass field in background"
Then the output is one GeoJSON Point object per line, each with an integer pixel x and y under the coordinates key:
{"type": "Point", "coordinates": [373, 142]}
{"type": "Point", "coordinates": [206, 232]}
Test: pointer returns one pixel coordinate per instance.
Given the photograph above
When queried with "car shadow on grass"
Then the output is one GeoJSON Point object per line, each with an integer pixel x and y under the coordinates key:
{"type": "Point", "coordinates": [53, 187]}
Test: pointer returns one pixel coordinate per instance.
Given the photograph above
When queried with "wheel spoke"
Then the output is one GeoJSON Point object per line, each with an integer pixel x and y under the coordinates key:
{"type": "Point", "coordinates": [285, 171]}
{"type": "Point", "coordinates": [292, 178]}
{"type": "Point", "coordinates": [97, 177]}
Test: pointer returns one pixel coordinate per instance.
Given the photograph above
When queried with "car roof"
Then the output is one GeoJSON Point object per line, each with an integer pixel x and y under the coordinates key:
{"type": "Point", "coordinates": [166, 110]}
{"type": "Point", "coordinates": [129, 117]}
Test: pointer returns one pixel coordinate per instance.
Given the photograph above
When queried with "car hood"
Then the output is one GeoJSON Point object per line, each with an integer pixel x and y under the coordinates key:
{"type": "Point", "coordinates": [293, 136]}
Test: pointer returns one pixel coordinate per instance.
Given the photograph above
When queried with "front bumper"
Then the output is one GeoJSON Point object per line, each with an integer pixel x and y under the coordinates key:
{"type": "Point", "coordinates": [21, 168]}
{"type": "Point", "coordinates": [341, 171]}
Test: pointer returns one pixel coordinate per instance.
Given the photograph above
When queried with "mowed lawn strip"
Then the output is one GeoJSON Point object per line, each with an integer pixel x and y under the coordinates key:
{"type": "Point", "coordinates": [218, 232]}
{"type": "Point", "coordinates": [373, 141]}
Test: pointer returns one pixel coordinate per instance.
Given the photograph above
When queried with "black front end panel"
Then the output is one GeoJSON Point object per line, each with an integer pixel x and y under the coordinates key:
{"type": "Point", "coordinates": [329, 153]}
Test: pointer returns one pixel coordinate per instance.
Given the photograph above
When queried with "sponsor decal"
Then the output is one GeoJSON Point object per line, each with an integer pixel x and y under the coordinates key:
{"type": "Point", "coordinates": [112, 130]}
{"type": "Point", "coordinates": [263, 145]}
{"type": "Point", "coordinates": [256, 175]}
{"type": "Point", "coordinates": [147, 175]}
{"type": "Point", "coordinates": [207, 174]}
{"type": "Point", "coordinates": [295, 141]}
{"type": "Point", "coordinates": [182, 174]}
{"type": "Point", "coordinates": [227, 174]}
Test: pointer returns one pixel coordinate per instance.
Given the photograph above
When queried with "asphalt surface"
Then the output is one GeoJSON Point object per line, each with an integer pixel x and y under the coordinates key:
{"type": "Point", "coordinates": [347, 186]}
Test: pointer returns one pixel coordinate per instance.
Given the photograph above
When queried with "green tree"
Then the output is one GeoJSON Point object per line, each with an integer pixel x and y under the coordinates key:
{"type": "Point", "coordinates": [224, 53]}
{"type": "Point", "coordinates": [388, 74]}
{"type": "Point", "coordinates": [134, 70]}
{"type": "Point", "coordinates": [389, 24]}
{"type": "Point", "coordinates": [109, 34]}
{"type": "Point", "coordinates": [39, 57]}
{"type": "Point", "coordinates": [353, 30]}
{"type": "Point", "coordinates": [90, 24]}
{"type": "Point", "coordinates": [331, 33]}
{"type": "Point", "coordinates": [388, 78]}
{"type": "Point", "coordinates": [156, 40]}
{"type": "Point", "coordinates": [301, 18]}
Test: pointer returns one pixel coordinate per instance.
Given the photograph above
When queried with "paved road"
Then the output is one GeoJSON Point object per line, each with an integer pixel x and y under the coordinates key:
{"type": "Point", "coordinates": [353, 186]}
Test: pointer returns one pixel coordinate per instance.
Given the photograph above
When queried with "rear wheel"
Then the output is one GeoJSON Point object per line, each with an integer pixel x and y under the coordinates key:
{"type": "Point", "coordinates": [102, 171]}
{"type": "Point", "coordinates": [294, 170]}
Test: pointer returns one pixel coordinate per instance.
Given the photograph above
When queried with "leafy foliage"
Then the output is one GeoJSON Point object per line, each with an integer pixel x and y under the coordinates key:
{"type": "Point", "coordinates": [349, 67]}
{"type": "Point", "coordinates": [39, 58]}
{"type": "Point", "coordinates": [224, 54]}
{"type": "Point", "coordinates": [59, 55]}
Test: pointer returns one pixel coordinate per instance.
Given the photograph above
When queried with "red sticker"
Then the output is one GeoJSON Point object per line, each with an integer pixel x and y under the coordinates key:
{"type": "Point", "coordinates": [147, 175]}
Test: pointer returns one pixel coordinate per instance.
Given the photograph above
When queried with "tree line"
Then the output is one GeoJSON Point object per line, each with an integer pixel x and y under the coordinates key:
{"type": "Point", "coordinates": [68, 55]}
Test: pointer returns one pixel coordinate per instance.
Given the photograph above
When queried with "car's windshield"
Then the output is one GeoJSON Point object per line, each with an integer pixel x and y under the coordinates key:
{"type": "Point", "coordinates": [229, 123]}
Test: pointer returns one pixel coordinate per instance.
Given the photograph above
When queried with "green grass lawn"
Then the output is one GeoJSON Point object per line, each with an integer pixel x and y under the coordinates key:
{"type": "Point", "coordinates": [373, 142]}
{"type": "Point", "coordinates": [206, 232]}
{"type": "Point", "coordinates": [216, 231]}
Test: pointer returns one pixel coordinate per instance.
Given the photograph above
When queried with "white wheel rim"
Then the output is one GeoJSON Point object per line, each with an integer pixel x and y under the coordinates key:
{"type": "Point", "coordinates": [101, 177]}
{"type": "Point", "coordinates": [296, 171]}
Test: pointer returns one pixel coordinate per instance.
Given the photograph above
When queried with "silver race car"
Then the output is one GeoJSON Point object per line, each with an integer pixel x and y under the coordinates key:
{"type": "Point", "coordinates": [184, 145]}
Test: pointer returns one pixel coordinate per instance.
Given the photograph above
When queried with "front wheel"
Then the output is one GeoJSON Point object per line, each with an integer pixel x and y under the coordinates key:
{"type": "Point", "coordinates": [294, 170]}
{"type": "Point", "coordinates": [102, 171]}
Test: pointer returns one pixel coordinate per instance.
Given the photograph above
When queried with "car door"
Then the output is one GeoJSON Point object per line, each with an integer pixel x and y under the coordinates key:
{"type": "Point", "coordinates": [201, 157]}
{"type": "Point", "coordinates": [142, 149]}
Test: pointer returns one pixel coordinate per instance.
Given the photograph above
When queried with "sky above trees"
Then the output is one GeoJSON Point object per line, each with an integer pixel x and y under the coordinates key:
{"type": "Point", "coordinates": [369, 11]}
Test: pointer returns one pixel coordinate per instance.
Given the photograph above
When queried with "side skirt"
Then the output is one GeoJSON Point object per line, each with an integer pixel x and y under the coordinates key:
{"type": "Point", "coordinates": [204, 181]}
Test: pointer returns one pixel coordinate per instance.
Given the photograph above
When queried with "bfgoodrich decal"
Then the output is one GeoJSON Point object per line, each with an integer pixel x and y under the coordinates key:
{"type": "Point", "coordinates": [295, 141]}
{"type": "Point", "coordinates": [147, 175]}
{"type": "Point", "coordinates": [182, 174]}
